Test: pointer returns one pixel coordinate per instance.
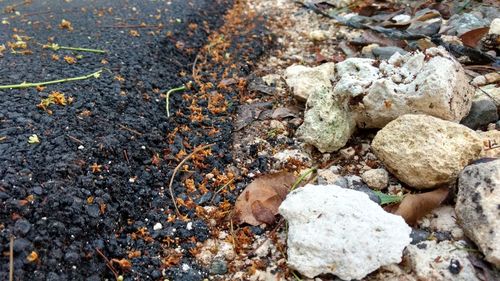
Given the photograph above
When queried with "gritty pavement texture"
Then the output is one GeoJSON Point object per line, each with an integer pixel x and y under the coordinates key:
{"type": "Point", "coordinates": [96, 185]}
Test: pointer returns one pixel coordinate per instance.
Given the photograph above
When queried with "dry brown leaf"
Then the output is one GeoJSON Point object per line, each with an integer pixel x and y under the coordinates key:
{"type": "Point", "coordinates": [260, 200]}
{"type": "Point", "coordinates": [415, 206]}
{"type": "Point", "coordinates": [472, 37]}
{"type": "Point", "coordinates": [123, 263]}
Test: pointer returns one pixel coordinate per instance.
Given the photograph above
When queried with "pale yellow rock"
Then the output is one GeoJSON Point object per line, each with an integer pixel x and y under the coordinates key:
{"type": "Point", "coordinates": [491, 144]}
{"type": "Point", "coordinates": [424, 151]}
{"type": "Point", "coordinates": [303, 80]}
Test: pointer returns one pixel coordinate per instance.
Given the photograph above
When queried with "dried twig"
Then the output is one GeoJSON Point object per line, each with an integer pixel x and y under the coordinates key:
{"type": "Point", "coordinates": [220, 189]}
{"type": "Point", "coordinates": [11, 259]}
{"type": "Point", "coordinates": [280, 223]}
{"type": "Point", "coordinates": [177, 169]}
{"type": "Point", "coordinates": [193, 71]}
{"type": "Point", "coordinates": [131, 26]}
{"type": "Point", "coordinates": [130, 130]}
{"type": "Point", "coordinates": [28, 85]}
{"type": "Point", "coordinates": [75, 139]}
{"type": "Point", "coordinates": [108, 263]}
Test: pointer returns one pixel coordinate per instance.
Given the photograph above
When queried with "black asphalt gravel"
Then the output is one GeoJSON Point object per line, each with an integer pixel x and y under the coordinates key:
{"type": "Point", "coordinates": [92, 182]}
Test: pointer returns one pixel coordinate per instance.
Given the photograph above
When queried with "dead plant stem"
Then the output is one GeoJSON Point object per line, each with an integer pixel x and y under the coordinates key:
{"type": "Point", "coordinates": [170, 188]}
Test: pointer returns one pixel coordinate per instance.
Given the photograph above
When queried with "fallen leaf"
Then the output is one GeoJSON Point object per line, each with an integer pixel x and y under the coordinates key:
{"type": "Point", "coordinates": [282, 113]}
{"type": "Point", "coordinates": [415, 206]}
{"type": "Point", "coordinates": [472, 37]}
{"type": "Point", "coordinates": [259, 201]}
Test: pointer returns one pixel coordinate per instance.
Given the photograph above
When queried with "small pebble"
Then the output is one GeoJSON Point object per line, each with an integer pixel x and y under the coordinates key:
{"type": "Point", "coordinates": [218, 267]}
{"type": "Point", "coordinates": [157, 226]}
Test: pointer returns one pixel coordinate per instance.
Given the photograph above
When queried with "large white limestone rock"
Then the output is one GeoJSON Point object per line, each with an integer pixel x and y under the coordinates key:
{"type": "Point", "coordinates": [478, 207]}
{"type": "Point", "coordinates": [340, 231]}
{"type": "Point", "coordinates": [423, 151]}
{"type": "Point", "coordinates": [433, 83]}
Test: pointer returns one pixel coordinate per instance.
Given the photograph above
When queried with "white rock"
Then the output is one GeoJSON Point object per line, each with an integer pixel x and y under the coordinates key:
{"type": "Point", "coordinates": [327, 123]}
{"type": "Point", "coordinates": [303, 80]}
{"type": "Point", "coordinates": [327, 176]}
{"type": "Point", "coordinates": [376, 178]}
{"type": "Point", "coordinates": [432, 261]}
{"type": "Point", "coordinates": [443, 219]}
{"type": "Point", "coordinates": [340, 231]}
{"type": "Point", "coordinates": [477, 208]}
{"type": "Point", "coordinates": [495, 27]}
{"type": "Point", "coordinates": [283, 156]}
{"type": "Point", "coordinates": [479, 80]}
{"type": "Point", "coordinates": [215, 249]}
{"type": "Point", "coordinates": [401, 19]}
{"type": "Point", "coordinates": [424, 151]}
{"type": "Point", "coordinates": [271, 79]}
{"type": "Point", "coordinates": [348, 153]}
{"type": "Point", "coordinates": [433, 83]}
{"type": "Point", "coordinates": [318, 35]}
{"type": "Point", "coordinates": [157, 226]}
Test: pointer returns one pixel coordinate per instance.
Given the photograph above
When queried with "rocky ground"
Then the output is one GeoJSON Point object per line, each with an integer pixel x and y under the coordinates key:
{"type": "Point", "coordinates": [381, 116]}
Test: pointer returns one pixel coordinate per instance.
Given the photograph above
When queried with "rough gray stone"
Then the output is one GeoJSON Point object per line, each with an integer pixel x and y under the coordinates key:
{"type": "Point", "coordinates": [482, 112]}
{"type": "Point", "coordinates": [376, 178]}
{"type": "Point", "coordinates": [462, 23]}
{"type": "Point", "coordinates": [477, 208]}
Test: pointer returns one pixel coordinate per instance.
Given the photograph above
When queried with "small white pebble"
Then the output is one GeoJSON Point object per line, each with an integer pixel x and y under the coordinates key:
{"type": "Point", "coordinates": [157, 226]}
{"type": "Point", "coordinates": [185, 267]}
{"type": "Point", "coordinates": [189, 226]}
{"type": "Point", "coordinates": [81, 147]}
{"type": "Point", "coordinates": [131, 180]}
{"type": "Point", "coordinates": [143, 147]}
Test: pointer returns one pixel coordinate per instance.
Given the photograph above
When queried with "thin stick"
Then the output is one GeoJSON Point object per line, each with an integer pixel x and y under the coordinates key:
{"type": "Point", "coordinates": [108, 263]}
{"type": "Point", "coordinates": [193, 71]}
{"type": "Point", "coordinates": [11, 259]}
{"type": "Point", "coordinates": [175, 172]}
{"type": "Point", "coordinates": [220, 189]}
{"type": "Point", "coordinates": [131, 26]}
{"type": "Point", "coordinates": [75, 139]}
{"type": "Point", "coordinates": [167, 103]}
{"type": "Point", "coordinates": [125, 154]}
{"type": "Point", "coordinates": [130, 130]}
{"type": "Point", "coordinates": [28, 85]}
{"type": "Point", "coordinates": [280, 223]}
